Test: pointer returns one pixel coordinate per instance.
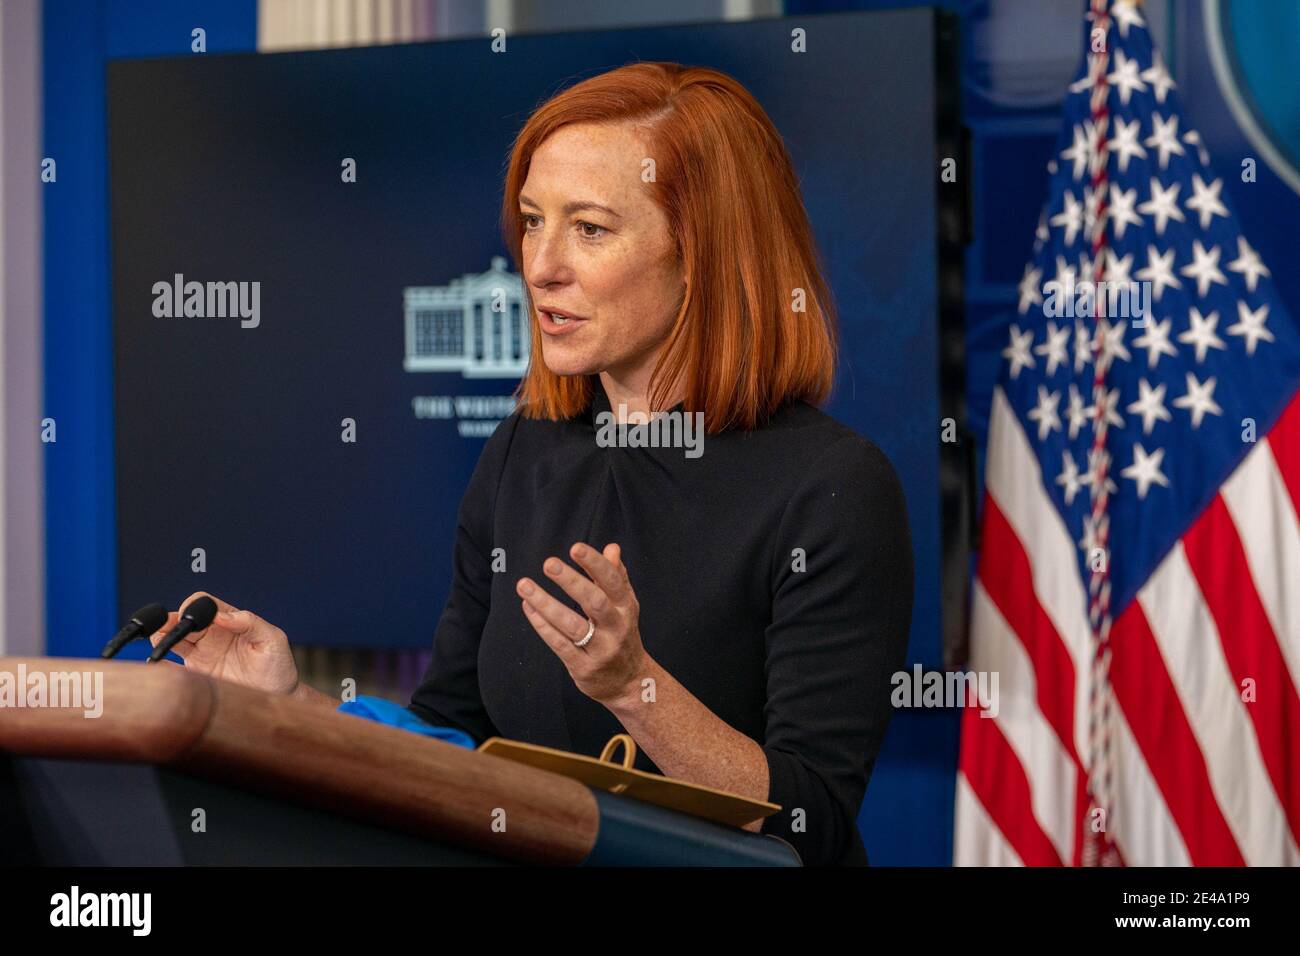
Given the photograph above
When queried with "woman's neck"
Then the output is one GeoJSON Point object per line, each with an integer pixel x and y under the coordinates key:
{"type": "Point", "coordinates": [633, 394]}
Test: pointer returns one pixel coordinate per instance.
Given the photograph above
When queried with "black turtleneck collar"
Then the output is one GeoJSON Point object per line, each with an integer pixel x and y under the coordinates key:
{"type": "Point", "coordinates": [600, 400]}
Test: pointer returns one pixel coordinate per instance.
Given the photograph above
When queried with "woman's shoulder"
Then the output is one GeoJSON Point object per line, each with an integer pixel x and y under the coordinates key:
{"type": "Point", "coordinates": [827, 448]}
{"type": "Point", "coordinates": [845, 497]}
{"type": "Point", "coordinates": [521, 437]}
{"type": "Point", "coordinates": [497, 446]}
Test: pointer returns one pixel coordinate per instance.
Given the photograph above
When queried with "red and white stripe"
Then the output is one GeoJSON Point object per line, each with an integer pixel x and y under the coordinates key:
{"type": "Point", "coordinates": [1201, 775]}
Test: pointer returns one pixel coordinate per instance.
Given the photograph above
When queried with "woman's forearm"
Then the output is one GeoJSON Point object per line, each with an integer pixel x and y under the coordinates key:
{"type": "Point", "coordinates": [310, 695]}
{"type": "Point", "coordinates": [687, 740]}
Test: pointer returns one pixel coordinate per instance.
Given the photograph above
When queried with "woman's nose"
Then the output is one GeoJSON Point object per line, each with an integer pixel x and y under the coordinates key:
{"type": "Point", "coordinates": [547, 261]}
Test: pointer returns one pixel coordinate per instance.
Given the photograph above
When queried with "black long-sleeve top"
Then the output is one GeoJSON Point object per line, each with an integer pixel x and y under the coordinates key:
{"type": "Point", "coordinates": [774, 576]}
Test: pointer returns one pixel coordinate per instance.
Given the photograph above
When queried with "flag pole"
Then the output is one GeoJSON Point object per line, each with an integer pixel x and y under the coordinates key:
{"type": "Point", "coordinates": [1097, 847]}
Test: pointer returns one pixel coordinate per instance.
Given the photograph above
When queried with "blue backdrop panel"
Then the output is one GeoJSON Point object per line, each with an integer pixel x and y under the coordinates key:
{"type": "Point", "coordinates": [79, 37]}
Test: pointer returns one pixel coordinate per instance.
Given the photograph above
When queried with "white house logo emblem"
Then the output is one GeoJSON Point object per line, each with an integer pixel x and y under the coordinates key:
{"type": "Point", "coordinates": [475, 325]}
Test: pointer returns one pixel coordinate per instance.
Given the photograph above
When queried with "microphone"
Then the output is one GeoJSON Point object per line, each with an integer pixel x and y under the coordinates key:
{"type": "Point", "coordinates": [143, 623]}
{"type": "Point", "coordinates": [195, 616]}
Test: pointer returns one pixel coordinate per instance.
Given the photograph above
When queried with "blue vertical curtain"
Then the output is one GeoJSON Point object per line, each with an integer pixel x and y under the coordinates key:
{"type": "Point", "coordinates": [79, 37]}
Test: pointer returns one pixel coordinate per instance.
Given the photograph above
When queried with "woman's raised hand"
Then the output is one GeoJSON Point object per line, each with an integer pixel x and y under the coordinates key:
{"type": "Point", "coordinates": [237, 646]}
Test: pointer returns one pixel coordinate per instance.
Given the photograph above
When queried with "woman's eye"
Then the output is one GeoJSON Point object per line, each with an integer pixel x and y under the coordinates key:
{"type": "Point", "coordinates": [524, 217]}
{"type": "Point", "coordinates": [592, 225]}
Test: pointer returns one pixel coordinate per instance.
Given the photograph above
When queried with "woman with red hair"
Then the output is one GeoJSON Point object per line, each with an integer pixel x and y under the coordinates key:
{"type": "Point", "coordinates": [738, 606]}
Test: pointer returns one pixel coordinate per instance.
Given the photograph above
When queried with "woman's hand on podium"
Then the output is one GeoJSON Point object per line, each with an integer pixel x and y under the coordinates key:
{"type": "Point", "coordinates": [237, 646]}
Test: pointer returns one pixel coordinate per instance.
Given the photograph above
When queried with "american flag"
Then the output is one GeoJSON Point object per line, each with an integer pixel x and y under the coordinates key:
{"type": "Point", "coordinates": [1138, 587]}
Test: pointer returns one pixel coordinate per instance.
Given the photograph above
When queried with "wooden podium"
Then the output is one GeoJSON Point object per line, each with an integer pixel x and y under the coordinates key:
{"type": "Point", "coordinates": [183, 769]}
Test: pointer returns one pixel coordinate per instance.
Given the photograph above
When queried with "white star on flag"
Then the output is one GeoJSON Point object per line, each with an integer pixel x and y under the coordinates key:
{"type": "Point", "coordinates": [1117, 269]}
{"type": "Point", "coordinates": [1205, 268]}
{"type": "Point", "coordinates": [1099, 458]}
{"type": "Point", "coordinates": [1018, 351]}
{"type": "Point", "coordinates": [1069, 477]}
{"type": "Point", "coordinates": [1110, 342]}
{"type": "Point", "coordinates": [1125, 143]}
{"type": "Point", "coordinates": [1077, 412]}
{"type": "Point", "coordinates": [1085, 267]}
{"type": "Point", "coordinates": [1045, 412]}
{"type": "Point", "coordinates": [1159, 78]}
{"type": "Point", "coordinates": [1247, 263]}
{"type": "Point", "coordinates": [1109, 409]}
{"type": "Point", "coordinates": [1070, 217]}
{"type": "Point", "coordinates": [1206, 200]}
{"type": "Point", "coordinates": [1145, 469]}
{"type": "Point", "coordinates": [1125, 77]}
{"type": "Point", "coordinates": [1199, 399]}
{"type": "Point", "coordinates": [1126, 15]}
{"type": "Point", "coordinates": [1082, 347]}
{"type": "Point", "coordinates": [1251, 325]}
{"type": "Point", "coordinates": [1065, 273]}
{"type": "Point", "coordinates": [1165, 138]}
{"type": "Point", "coordinates": [1056, 348]}
{"type": "Point", "coordinates": [1150, 405]}
{"type": "Point", "coordinates": [1030, 294]}
{"type": "Point", "coordinates": [1163, 204]}
{"type": "Point", "coordinates": [1202, 334]}
{"type": "Point", "coordinates": [1121, 210]}
{"type": "Point", "coordinates": [1159, 270]}
{"type": "Point", "coordinates": [1156, 341]}
{"type": "Point", "coordinates": [1078, 152]}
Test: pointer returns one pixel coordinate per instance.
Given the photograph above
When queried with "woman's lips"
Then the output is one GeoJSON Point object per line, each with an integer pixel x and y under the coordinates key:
{"type": "Point", "coordinates": [563, 327]}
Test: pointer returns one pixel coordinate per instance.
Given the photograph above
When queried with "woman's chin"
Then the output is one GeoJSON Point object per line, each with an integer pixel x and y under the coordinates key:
{"type": "Point", "coordinates": [562, 361]}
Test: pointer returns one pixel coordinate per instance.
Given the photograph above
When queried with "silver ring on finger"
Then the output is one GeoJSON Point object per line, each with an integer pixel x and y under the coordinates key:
{"type": "Point", "coordinates": [591, 629]}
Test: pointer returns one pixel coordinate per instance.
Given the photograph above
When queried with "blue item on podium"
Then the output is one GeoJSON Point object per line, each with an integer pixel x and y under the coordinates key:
{"type": "Point", "coordinates": [395, 715]}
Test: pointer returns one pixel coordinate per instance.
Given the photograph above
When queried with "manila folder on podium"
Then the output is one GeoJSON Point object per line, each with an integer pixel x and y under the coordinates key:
{"type": "Point", "coordinates": [604, 774]}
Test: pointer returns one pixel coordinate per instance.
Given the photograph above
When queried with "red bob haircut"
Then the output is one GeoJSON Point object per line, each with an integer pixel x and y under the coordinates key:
{"type": "Point", "coordinates": [757, 327]}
